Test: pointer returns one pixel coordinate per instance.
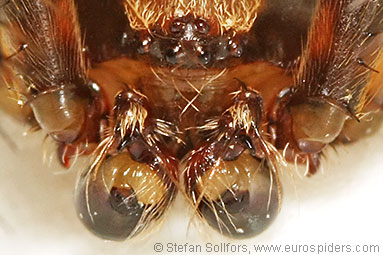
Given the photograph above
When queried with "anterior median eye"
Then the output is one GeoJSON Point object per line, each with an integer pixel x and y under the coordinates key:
{"type": "Point", "coordinates": [122, 196]}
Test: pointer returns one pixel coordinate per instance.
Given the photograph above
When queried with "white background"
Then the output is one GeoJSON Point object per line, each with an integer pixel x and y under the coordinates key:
{"type": "Point", "coordinates": [342, 205]}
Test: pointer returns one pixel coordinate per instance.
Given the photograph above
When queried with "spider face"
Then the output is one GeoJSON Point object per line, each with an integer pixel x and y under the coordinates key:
{"type": "Point", "coordinates": [205, 98]}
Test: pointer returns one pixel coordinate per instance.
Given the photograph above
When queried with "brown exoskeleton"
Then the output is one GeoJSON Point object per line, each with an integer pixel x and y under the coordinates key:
{"type": "Point", "coordinates": [207, 98]}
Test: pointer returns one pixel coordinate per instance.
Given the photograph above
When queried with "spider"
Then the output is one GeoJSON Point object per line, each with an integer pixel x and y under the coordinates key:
{"type": "Point", "coordinates": [209, 99]}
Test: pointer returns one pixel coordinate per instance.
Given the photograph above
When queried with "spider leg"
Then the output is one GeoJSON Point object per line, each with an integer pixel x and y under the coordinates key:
{"type": "Point", "coordinates": [331, 83]}
{"type": "Point", "coordinates": [50, 72]}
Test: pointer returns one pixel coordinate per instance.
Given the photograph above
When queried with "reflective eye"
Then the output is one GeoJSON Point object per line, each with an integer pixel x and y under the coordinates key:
{"type": "Point", "coordinates": [177, 27]}
{"type": "Point", "coordinates": [121, 197]}
{"type": "Point", "coordinates": [172, 55]}
{"type": "Point", "coordinates": [204, 57]}
{"type": "Point", "coordinates": [236, 48]}
{"type": "Point", "coordinates": [239, 198]}
{"type": "Point", "coordinates": [202, 26]}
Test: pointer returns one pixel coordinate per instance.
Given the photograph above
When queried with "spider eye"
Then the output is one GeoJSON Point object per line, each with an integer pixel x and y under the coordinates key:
{"type": "Point", "coordinates": [204, 57]}
{"type": "Point", "coordinates": [239, 198]}
{"type": "Point", "coordinates": [172, 55]}
{"type": "Point", "coordinates": [122, 197]}
{"type": "Point", "coordinates": [177, 27]}
{"type": "Point", "coordinates": [202, 26]}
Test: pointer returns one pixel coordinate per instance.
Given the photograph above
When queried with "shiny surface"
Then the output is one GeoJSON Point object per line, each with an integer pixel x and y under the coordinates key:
{"type": "Point", "coordinates": [43, 220]}
{"type": "Point", "coordinates": [61, 114]}
{"type": "Point", "coordinates": [240, 197]}
{"type": "Point", "coordinates": [316, 123]}
{"type": "Point", "coordinates": [120, 198]}
{"type": "Point", "coordinates": [215, 104]}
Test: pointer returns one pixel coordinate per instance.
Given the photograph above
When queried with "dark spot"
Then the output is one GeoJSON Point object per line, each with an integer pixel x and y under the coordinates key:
{"type": "Point", "coordinates": [236, 50]}
{"type": "Point", "coordinates": [237, 202]}
{"type": "Point", "coordinates": [125, 202]}
{"type": "Point", "coordinates": [110, 215]}
{"type": "Point", "coordinates": [204, 57]}
{"type": "Point", "coordinates": [177, 27]}
{"type": "Point", "coordinates": [202, 26]}
{"type": "Point", "coordinates": [171, 56]}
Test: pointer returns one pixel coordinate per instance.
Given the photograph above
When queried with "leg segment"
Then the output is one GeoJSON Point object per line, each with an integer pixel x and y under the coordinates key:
{"type": "Point", "coordinates": [330, 81]}
{"type": "Point", "coordinates": [50, 70]}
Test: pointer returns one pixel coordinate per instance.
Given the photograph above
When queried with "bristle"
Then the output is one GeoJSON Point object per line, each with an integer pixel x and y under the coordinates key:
{"type": "Point", "coordinates": [374, 85]}
{"type": "Point", "coordinates": [329, 67]}
{"type": "Point", "coordinates": [49, 30]}
{"type": "Point", "coordinates": [238, 15]}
